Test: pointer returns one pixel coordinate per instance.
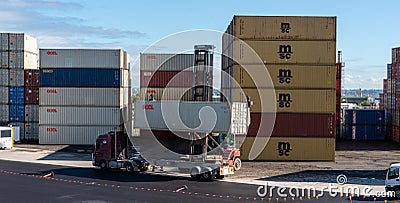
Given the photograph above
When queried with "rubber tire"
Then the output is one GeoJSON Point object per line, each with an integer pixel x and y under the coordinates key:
{"type": "Point", "coordinates": [103, 165]}
{"type": "Point", "coordinates": [237, 164]}
{"type": "Point", "coordinates": [207, 176]}
{"type": "Point", "coordinates": [397, 193]}
{"type": "Point", "coordinates": [195, 177]}
{"type": "Point", "coordinates": [129, 168]}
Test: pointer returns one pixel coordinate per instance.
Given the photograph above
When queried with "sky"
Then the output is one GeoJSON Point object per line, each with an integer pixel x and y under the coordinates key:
{"type": "Point", "coordinates": [367, 30]}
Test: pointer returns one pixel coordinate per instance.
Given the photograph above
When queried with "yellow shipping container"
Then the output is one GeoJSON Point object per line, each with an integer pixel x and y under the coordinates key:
{"type": "Point", "coordinates": [170, 94]}
{"type": "Point", "coordinates": [282, 52]}
{"type": "Point", "coordinates": [289, 148]}
{"type": "Point", "coordinates": [286, 100]}
{"type": "Point", "coordinates": [283, 27]}
{"type": "Point", "coordinates": [284, 76]}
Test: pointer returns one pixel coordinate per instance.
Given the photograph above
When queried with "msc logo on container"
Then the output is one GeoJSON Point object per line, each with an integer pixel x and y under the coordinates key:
{"type": "Point", "coordinates": [283, 148]}
{"type": "Point", "coordinates": [285, 27]}
{"type": "Point", "coordinates": [285, 51]}
{"type": "Point", "coordinates": [284, 100]}
{"type": "Point", "coordinates": [284, 76]}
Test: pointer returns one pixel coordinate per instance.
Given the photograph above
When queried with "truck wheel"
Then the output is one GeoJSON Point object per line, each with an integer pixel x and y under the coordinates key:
{"type": "Point", "coordinates": [397, 193]}
{"type": "Point", "coordinates": [194, 177]}
{"type": "Point", "coordinates": [129, 168]}
{"type": "Point", "coordinates": [207, 176]}
{"type": "Point", "coordinates": [103, 165]}
{"type": "Point", "coordinates": [237, 164]}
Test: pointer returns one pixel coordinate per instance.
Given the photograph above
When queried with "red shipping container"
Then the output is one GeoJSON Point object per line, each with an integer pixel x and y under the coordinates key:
{"type": "Point", "coordinates": [32, 78]}
{"type": "Point", "coordinates": [338, 87]}
{"type": "Point", "coordinates": [338, 71]}
{"type": "Point", "coordinates": [396, 133]}
{"type": "Point", "coordinates": [396, 55]}
{"type": "Point", "coordinates": [385, 86]}
{"type": "Point", "coordinates": [32, 95]}
{"type": "Point", "coordinates": [395, 71]}
{"type": "Point", "coordinates": [160, 79]}
{"type": "Point", "coordinates": [293, 125]}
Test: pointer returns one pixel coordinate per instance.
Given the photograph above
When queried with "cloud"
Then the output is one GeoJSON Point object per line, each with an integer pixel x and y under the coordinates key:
{"type": "Point", "coordinates": [357, 81]}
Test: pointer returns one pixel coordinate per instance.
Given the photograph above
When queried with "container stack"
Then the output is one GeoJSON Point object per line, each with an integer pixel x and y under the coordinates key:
{"type": "Point", "coordinates": [82, 94]}
{"type": "Point", "coordinates": [395, 94]}
{"type": "Point", "coordinates": [18, 55]}
{"type": "Point", "coordinates": [299, 55]}
{"type": "Point", "coordinates": [32, 78]}
{"type": "Point", "coordinates": [338, 116]}
{"type": "Point", "coordinates": [365, 124]}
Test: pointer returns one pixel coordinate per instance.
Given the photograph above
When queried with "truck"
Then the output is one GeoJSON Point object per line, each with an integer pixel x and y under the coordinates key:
{"type": "Point", "coordinates": [113, 150]}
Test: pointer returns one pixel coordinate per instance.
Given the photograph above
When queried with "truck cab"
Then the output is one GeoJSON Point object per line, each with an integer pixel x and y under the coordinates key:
{"type": "Point", "coordinates": [392, 181]}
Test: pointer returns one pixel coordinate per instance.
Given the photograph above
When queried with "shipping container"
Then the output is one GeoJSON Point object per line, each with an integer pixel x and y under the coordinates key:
{"type": "Point", "coordinates": [162, 79]}
{"type": "Point", "coordinates": [286, 77]}
{"type": "Point", "coordinates": [27, 43]}
{"type": "Point", "coordinates": [17, 113]}
{"type": "Point", "coordinates": [365, 117]}
{"type": "Point", "coordinates": [176, 94]}
{"type": "Point", "coordinates": [57, 115]}
{"type": "Point", "coordinates": [287, 101]}
{"type": "Point", "coordinates": [4, 99]}
{"type": "Point", "coordinates": [282, 52]}
{"type": "Point", "coordinates": [289, 148]}
{"type": "Point", "coordinates": [83, 58]}
{"type": "Point", "coordinates": [283, 27]}
{"type": "Point", "coordinates": [17, 77]}
{"type": "Point", "coordinates": [4, 113]}
{"type": "Point", "coordinates": [78, 135]}
{"type": "Point", "coordinates": [23, 60]}
{"type": "Point", "coordinates": [292, 125]}
{"type": "Point", "coordinates": [16, 95]}
{"type": "Point", "coordinates": [396, 55]}
{"type": "Point", "coordinates": [31, 131]}
{"type": "Point", "coordinates": [32, 78]}
{"type": "Point", "coordinates": [389, 71]}
{"type": "Point", "coordinates": [21, 126]}
{"type": "Point", "coordinates": [90, 97]}
{"type": "Point", "coordinates": [31, 113]}
{"type": "Point", "coordinates": [4, 59]}
{"type": "Point", "coordinates": [395, 133]}
{"type": "Point", "coordinates": [32, 95]}
{"type": "Point", "coordinates": [4, 45]}
{"type": "Point", "coordinates": [385, 86]}
{"type": "Point", "coordinates": [365, 132]}
{"type": "Point", "coordinates": [4, 75]}
{"type": "Point", "coordinates": [166, 62]}
{"type": "Point", "coordinates": [80, 77]}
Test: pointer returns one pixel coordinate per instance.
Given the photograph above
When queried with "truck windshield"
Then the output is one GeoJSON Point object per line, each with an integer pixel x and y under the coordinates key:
{"type": "Point", "coordinates": [98, 144]}
{"type": "Point", "coordinates": [393, 173]}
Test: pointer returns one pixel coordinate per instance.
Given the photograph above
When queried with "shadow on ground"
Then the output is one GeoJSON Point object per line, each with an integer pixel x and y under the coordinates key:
{"type": "Point", "coordinates": [360, 145]}
{"type": "Point", "coordinates": [71, 153]}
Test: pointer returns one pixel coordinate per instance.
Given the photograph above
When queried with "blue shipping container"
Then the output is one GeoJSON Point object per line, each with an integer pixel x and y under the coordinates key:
{"type": "Point", "coordinates": [80, 77]}
{"type": "Point", "coordinates": [389, 71]}
{"type": "Point", "coordinates": [17, 113]}
{"type": "Point", "coordinates": [365, 117]}
{"type": "Point", "coordinates": [16, 95]}
{"type": "Point", "coordinates": [366, 132]}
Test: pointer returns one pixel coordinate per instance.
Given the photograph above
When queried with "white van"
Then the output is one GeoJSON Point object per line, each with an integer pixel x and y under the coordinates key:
{"type": "Point", "coordinates": [392, 181]}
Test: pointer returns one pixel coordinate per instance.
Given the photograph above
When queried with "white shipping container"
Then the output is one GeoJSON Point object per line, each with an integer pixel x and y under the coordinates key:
{"type": "Point", "coordinates": [4, 113]}
{"type": "Point", "coordinates": [4, 95]}
{"type": "Point", "coordinates": [31, 113]}
{"type": "Point", "coordinates": [23, 60]}
{"type": "Point", "coordinates": [172, 62]}
{"type": "Point", "coordinates": [21, 129]}
{"type": "Point", "coordinates": [82, 58]}
{"type": "Point", "coordinates": [27, 43]}
{"type": "Point", "coordinates": [80, 135]}
{"type": "Point", "coordinates": [4, 77]}
{"type": "Point", "coordinates": [4, 59]}
{"type": "Point", "coordinates": [94, 97]}
{"type": "Point", "coordinates": [31, 131]}
{"type": "Point", "coordinates": [56, 115]}
{"type": "Point", "coordinates": [3, 41]}
{"type": "Point", "coordinates": [17, 77]}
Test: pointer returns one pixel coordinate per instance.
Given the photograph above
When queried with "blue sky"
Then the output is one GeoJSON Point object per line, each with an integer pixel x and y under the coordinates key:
{"type": "Point", "coordinates": [367, 29]}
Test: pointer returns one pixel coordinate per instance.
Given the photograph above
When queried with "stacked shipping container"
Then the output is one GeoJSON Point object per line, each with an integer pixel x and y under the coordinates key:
{"type": "Point", "coordinates": [365, 124]}
{"type": "Point", "coordinates": [19, 83]}
{"type": "Point", "coordinates": [82, 94]}
{"type": "Point", "coordinates": [299, 55]}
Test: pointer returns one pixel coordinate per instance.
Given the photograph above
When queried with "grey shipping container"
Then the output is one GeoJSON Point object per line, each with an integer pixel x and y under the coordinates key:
{"type": "Point", "coordinates": [94, 97]}
{"type": "Point", "coordinates": [18, 42]}
{"type": "Point", "coordinates": [83, 58]}
{"type": "Point", "coordinates": [22, 60]}
{"type": "Point", "coordinates": [171, 62]}
{"type": "Point", "coordinates": [4, 59]}
{"type": "Point", "coordinates": [79, 135]}
{"type": "Point", "coordinates": [4, 74]}
{"type": "Point", "coordinates": [17, 77]}
{"type": "Point", "coordinates": [56, 115]}
{"type": "Point", "coordinates": [31, 131]}
{"type": "Point", "coordinates": [4, 42]}
{"type": "Point", "coordinates": [4, 95]}
{"type": "Point", "coordinates": [4, 113]}
{"type": "Point", "coordinates": [31, 113]}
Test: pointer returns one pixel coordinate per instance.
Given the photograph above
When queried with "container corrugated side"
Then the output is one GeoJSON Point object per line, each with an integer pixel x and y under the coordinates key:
{"type": "Point", "coordinates": [283, 27]}
{"type": "Point", "coordinates": [365, 117]}
{"type": "Point", "coordinates": [81, 58]}
{"type": "Point", "coordinates": [4, 99]}
{"type": "Point", "coordinates": [27, 43]}
{"type": "Point", "coordinates": [292, 125]}
{"type": "Point", "coordinates": [80, 77]}
{"type": "Point", "coordinates": [16, 95]}
{"type": "Point", "coordinates": [79, 135]}
{"type": "Point", "coordinates": [160, 79]}
{"type": "Point", "coordinates": [4, 42]}
{"type": "Point", "coordinates": [32, 78]}
{"type": "Point", "coordinates": [31, 132]}
{"type": "Point", "coordinates": [175, 94]}
{"type": "Point", "coordinates": [64, 96]}
{"type": "Point", "coordinates": [23, 60]}
{"type": "Point", "coordinates": [172, 62]}
{"type": "Point", "coordinates": [288, 100]}
{"type": "Point", "coordinates": [365, 132]}
{"type": "Point", "coordinates": [4, 113]}
{"type": "Point", "coordinates": [4, 59]}
{"type": "Point", "coordinates": [56, 115]}
{"type": "Point", "coordinates": [17, 77]}
{"type": "Point", "coordinates": [32, 95]}
{"type": "Point", "coordinates": [31, 113]}
{"type": "Point", "coordinates": [4, 77]}
{"type": "Point", "coordinates": [283, 52]}
{"type": "Point", "coordinates": [290, 148]}
{"type": "Point", "coordinates": [286, 77]}
{"type": "Point", "coordinates": [17, 113]}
